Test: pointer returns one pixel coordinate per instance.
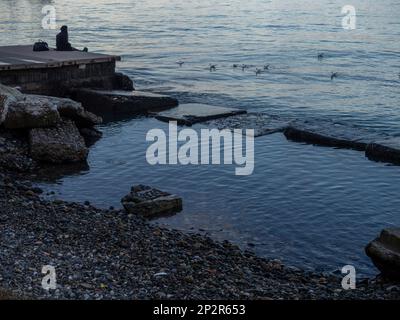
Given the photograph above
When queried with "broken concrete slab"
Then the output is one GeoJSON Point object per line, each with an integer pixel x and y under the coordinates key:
{"type": "Point", "coordinates": [191, 113]}
{"type": "Point", "coordinates": [387, 150]}
{"type": "Point", "coordinates": [384, 252]}
{"type": "Point", "coordinates": [61, 144]}
{"type": "Point", "coordinates": [122, 103]}
{"type": "Point", "coordinates": [262, 124]}
{"type": "Point", "coordinates": [150, 202]}
{"type": "Point", "coordinates": [331, 134]}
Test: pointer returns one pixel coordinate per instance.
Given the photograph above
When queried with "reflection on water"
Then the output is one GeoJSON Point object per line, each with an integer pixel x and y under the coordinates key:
{"type": "Point", "coordinates": [152, 35]}
{"type": "Point", "coordinates": [311, 206]}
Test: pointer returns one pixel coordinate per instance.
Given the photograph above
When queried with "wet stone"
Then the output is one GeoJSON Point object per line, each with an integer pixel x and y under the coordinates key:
{"type": "Point", "coordinates": [149, 202]}
{"type": "Point", "coordinates": [61, 144]}
{"type": "Point", "coordinates": [31, 112]}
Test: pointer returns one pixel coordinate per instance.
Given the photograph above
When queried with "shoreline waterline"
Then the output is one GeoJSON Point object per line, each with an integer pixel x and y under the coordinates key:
{"type": "Point", "coordinates": [90, 247]}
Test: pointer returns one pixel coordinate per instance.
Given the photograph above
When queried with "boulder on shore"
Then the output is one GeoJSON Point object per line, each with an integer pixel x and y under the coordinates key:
{"type": "Point", "coordinates": [7, 95]}
{"type": "Point", "coordinates": [52, 124]}
{"type": "Point", "coordinates": [31, 112]}
{"type": "Point", "coordinates": [91, 135]}
{"type": "Point", "coordinates": [60, 144]}
{"type": "Point", "coordinates": [384, 252]}
{"type": "Point", "coordinates": [149, 202]}
{"type": "Point", "coordinates": [73, 110]}
{"type": "Point", "coordinates": [19, 111]}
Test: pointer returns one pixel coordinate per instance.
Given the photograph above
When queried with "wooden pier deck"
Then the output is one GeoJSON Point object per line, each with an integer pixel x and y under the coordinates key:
{"type": "Point", "coordinates": [53, 72]}
{"type": "Point", "coordinates": [24, 58]}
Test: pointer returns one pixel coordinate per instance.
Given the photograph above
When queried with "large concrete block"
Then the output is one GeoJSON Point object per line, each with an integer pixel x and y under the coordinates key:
{"type": "Point", "coordinates": [384, 252]}
{"type": "Point", "coordinates": [150, 202]}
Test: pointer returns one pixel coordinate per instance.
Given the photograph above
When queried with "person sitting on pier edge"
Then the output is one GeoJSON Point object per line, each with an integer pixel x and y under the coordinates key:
{"type": "Point", "coordinates": [62, 43]}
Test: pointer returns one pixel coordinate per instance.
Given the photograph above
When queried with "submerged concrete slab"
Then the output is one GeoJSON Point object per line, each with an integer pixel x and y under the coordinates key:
{"type": "Point", "coordinates": [118, 103]}
{"type": "Point", "coordinates": [387, 150]}
{"type": "Point", "coordinates": [262, 124]}
{"type": "Point", "coordinates": [377, 147]}
{"type": "Point", "coordinates": [191, 113]}
{"type": "Point", "coordinates": [331, 134]}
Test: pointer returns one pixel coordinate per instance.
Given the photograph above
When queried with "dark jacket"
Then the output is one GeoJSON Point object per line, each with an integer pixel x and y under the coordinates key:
{"type": "Point", "coordinates": [62, 43]}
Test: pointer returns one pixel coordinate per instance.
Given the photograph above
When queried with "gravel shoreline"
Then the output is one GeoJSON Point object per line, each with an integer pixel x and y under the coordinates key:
{"type": "Point", "coordinates": [108, 254]}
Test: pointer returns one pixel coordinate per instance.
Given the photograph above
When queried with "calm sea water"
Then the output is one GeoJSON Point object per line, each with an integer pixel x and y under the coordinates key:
{"type": "Point", "coordinates": [313, 207]}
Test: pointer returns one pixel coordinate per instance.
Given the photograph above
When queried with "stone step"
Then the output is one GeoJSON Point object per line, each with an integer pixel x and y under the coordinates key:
{"type": "Point", "coordinates": [191, 113]}
{"type": "Point", "coordinates": [119, 104]}
{"type": "Point", "coordinates": [262, 124]}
